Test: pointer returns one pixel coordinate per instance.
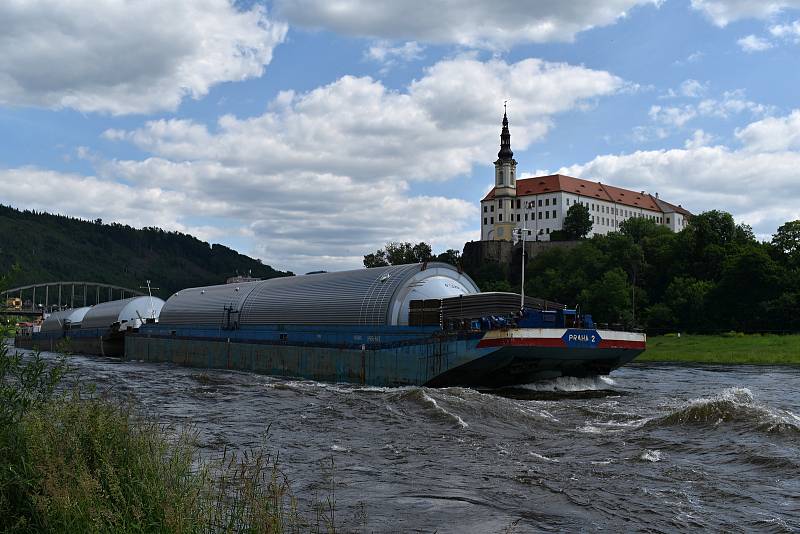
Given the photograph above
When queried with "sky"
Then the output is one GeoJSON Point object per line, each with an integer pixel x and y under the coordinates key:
{"type": "Point", "coordinates": [308, 133]}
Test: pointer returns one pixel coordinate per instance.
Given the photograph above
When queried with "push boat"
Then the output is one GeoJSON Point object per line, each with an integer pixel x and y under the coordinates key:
{"type": "Point", "coordinates": [419, 324]}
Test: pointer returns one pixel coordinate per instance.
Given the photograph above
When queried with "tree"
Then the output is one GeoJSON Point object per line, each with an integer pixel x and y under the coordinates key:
{"type": "Point", "coordinates": [451, 256]}
{"type": "Point", "coordinates": [787, 240]}
{"type": "Point", "coordinates": [638, 228]}
{"type": "Point", "coordinates": [399, 254]}
{"type": "Point", "coordinates": [376, 259]}
{"type": "Point", "coordinates": [609, 298]}
{"type": "Point", "coordinates": [577, 222]}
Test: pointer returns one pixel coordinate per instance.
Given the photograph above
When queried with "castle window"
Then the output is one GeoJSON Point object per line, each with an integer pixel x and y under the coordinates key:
{"type": "Point", "coordinates": [548, 230]}
{"type": "Point", "coordinates": [492, 220]}
{"type": "Point", "coordinates": [499, 217]}
{"type": "Point", "coordinates": [554, 201]}
{"type": "Point", "coordinates": [500, 204]}
{"type": "Point", "coordinates": [484, 220]}
{"type": "Point", "coordinates": [526, 216]}
{"type": "Point", "coordinates": [546, 214]}
{"type": "Point", "coordinates": [492, 208]}
{"type": "Point", "coordinates": [547, 202]}
{"type": "Point", "coordinates": [517, 217]}
{"type": "Point", "coordinates": [554, 214]}
{"type": "Point", "coordinates": [518, 203]}
{"type": "Point", "coordinates": [485, 209]}
{"type": "Point", "coordinates": [540, 202]}
{"type": "Point", "coordinates": [667, 220]}
{"type": "Point", "coordinates": [540, 214]}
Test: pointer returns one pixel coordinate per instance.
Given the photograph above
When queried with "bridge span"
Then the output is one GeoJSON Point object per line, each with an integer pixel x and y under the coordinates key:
{"type": "Point", "coordinates": [34, 299]}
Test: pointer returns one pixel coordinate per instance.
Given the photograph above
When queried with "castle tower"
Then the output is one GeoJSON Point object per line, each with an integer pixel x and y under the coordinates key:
{"type": "Point", "coordinates": [505, 186]}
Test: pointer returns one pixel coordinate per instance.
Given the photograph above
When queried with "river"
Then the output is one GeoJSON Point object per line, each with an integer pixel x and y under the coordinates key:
{"type": "Point", "coordinates": [661, 448]}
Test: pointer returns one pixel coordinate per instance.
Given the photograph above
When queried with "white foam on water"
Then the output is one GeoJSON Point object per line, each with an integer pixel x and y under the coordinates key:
{"type": "Point", "coordinates": [338, 448]}
{"type": "Point", "coordinates": [542, 457]}
{"type": "Point", "coordinates": [454, 417]}
{"type": "Point", "coordinates": [570, 383]}
{"type": "Point", "coordinates": [650, 455]}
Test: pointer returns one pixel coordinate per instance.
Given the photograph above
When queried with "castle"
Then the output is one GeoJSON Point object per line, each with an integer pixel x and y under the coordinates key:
{"type": "Point", "coordinates": [539, 204]}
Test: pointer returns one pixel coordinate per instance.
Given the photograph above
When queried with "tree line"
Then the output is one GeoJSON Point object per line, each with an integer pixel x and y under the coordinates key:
{"type": "Point", "coordinates": [712, 276]}
{"type": "Point", "coordinates": [47, 248]}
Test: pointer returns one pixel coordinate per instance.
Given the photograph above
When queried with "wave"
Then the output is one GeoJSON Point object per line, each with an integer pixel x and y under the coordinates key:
{"type": "Point", "coordinates": [732, 406]}
{"type": "Point", "coordinates": [570, 384]}
{"type": "Point", "coordinates": [419, 396]}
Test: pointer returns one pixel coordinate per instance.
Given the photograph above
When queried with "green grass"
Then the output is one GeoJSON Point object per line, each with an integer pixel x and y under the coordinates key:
{"type": "Point", "coordinates": [728, 348]}
{"type": "Point", "coordinates": [79, 463]}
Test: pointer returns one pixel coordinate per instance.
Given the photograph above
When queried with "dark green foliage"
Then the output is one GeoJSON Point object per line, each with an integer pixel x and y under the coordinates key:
{"type": "Point", "coordinates": [451, 256]}
{"type": "Point", "coordinates": [405, 253]}
{"type": "Point", "coordinates": [787, 241]}
{"type": "Point", "coordinates": [49, 248]}
{"type": "Point", "coordinates": [577, 222]}
{"type": "Point", "coordinates": [711, 277]}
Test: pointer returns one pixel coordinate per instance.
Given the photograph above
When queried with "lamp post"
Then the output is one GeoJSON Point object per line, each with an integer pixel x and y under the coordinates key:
{"type": "Point", "coordinates": [522, 233]}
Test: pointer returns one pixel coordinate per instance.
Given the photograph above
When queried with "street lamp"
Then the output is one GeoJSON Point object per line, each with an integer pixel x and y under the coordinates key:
{"type": "Point", "coordinates": [521, 233]}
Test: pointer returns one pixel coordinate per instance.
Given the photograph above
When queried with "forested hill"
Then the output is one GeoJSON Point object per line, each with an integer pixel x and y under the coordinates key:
{"type": "Point", "coordinates": [53, 247]}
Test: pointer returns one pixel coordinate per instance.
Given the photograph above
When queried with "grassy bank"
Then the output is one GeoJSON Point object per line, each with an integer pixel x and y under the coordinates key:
{"type": "Point", "coordinates": [75, 462]}
{"type": "Point", "coordinates": [730, 348]}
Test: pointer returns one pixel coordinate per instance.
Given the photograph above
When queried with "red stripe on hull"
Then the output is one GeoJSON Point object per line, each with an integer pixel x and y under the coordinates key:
{"type": "Point", "coordinates": [521, 342]}
{"type": "Point", "coordinates": [556, 342]}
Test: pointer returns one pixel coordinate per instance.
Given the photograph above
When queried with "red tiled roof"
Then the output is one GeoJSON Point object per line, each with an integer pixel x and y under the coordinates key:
{"type": "Point", "coordinates": [559, 182]}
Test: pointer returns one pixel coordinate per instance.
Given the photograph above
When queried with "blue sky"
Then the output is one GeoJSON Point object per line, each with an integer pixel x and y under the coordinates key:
{"type": "Point", "coordinates": [311, 132]}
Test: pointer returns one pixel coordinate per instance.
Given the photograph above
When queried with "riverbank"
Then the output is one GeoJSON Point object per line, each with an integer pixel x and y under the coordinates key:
{"type": "Point", "coordinates": [729, 348]}
{"type": "Point", "coordinates": [73, 461]}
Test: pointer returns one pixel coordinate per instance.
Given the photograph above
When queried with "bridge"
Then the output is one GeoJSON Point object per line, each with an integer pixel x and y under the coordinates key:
{"type": "Point", "coordinates": [35, 299]}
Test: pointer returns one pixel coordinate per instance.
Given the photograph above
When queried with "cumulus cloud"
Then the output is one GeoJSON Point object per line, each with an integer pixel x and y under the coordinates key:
{"type": "Point", "coordinates": [699, 138]}
{"type": "Point", "coordinates": [723, 12]}
{"type": "Point", "coordinates": [128, 57]}
{"type": "Point", "coordinates": [790, 31]}
{"type": "Point", "coordinates": [729, 104]}
{"type": "Point", "coordinates": [773, 134]}
{"type": "Point", "coordinates": [387, 55]}
{"type": "Point", "coordinates": [751, 43]}
{"type": "Point", "coordinates": [474, 23]}
{"type": "Point", "coordinates": [320, 178]}
{"type": "Point", "coordinates": [757, 182]}
{"type": "Point", "coordinates": [436, 129]}
{"type": "Point", "coordinates": [91, 197]}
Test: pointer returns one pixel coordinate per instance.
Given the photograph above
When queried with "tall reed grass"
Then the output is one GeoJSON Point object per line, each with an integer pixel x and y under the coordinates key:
{"type": "Point", "coordinates": [76, 462]}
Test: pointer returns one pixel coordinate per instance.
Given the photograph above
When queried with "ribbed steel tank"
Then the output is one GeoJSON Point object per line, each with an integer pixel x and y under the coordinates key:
{"type": "Point", "coordinates": [56, 321]}
{"type": "Point", "coordinates": [210, 305]}
{"type": "Point", "coordinates": [128, 312]}
{"type": "Point", "coordinates": [377, 296]}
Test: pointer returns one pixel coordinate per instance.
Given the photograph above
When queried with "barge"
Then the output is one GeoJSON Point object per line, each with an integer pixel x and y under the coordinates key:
{"type": "Point", "coordinates": [419, 324]}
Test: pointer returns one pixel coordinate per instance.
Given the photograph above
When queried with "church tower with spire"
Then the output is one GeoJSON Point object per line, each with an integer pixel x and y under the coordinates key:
{"type": "Point", "coordinates": [505, 185]}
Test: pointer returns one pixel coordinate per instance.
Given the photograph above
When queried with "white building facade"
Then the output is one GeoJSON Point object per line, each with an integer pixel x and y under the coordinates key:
{"type": "Point", "coordinates": [539, 204]}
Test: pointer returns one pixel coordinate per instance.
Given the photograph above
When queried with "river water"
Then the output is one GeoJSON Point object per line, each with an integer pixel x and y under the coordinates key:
{"type": "Point", "coordinates": [661, 448]}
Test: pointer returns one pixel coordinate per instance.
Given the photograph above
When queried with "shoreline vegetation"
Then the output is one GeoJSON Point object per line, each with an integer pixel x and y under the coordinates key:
{"type": "Point", "coordinates": [74, 461]}
{"type": "Point", "coordinates": [730, 348]}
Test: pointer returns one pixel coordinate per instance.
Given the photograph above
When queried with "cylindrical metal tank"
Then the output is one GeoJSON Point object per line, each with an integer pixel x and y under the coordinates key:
{"type": "Point", "coordinates": [128, 312]}
{"type": "Point", "coordinates": [57, 321]}
{"type": "Point", "coordinates": [206, 306]}
{"type": "Point", "coordinates": [377, 296]}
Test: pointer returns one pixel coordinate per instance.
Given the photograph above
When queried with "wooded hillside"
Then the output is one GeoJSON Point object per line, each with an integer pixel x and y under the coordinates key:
{"type": "Point", "coordinates": [53, 247]}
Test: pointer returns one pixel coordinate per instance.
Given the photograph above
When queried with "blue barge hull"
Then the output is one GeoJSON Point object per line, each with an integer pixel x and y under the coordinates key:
{"type": "Point", "coordinates": [386, 356]}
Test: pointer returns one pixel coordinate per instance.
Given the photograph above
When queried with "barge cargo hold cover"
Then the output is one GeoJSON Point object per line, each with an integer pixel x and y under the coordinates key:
{"type": "Point", "coordinates": [419, 324]}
